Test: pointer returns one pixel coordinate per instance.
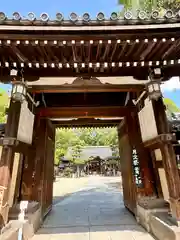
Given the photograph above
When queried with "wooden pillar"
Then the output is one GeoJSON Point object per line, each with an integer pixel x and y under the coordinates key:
{"type": "Point", "coordinates": [7, 160]}
{"type": "Point", "coordinates": [169, 160]}
{"type": "Point", "coordinates": [128, 183]}
{"type": "Point", "coordinates": [136, 142]}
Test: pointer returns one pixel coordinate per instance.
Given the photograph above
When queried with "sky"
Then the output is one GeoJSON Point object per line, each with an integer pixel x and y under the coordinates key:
{"type": "Point", "coordinates": [171, 89]}
{"type": "Point", "coordinates": [64, 6]}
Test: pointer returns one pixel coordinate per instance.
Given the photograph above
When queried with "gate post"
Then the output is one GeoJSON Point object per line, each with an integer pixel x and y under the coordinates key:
{"type": "Point", "coordinates": [136, 142]}
{"type": "Point", "coordinates": [169, 159]}
{"type": "Point", "coordinates": [7, 159]}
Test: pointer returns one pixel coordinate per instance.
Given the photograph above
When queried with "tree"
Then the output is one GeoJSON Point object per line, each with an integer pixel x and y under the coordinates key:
{"type": "Point", "coordinates": [76, 154]}
{"type": "Point", "coordinates": [150, 5]}
{"type": "Point", "coordinates": [171, 108]}
{"type": "Point", "coordinates": [77, 138]}
{"type": "Point", "coordinates": [4, 102]}
{"type": "Point", "coordinates": [65, 138]}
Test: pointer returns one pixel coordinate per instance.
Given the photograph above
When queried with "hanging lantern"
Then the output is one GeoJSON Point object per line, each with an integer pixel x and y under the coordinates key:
{"type": "Point", "coordinates": [154, 89]}
{"type": "Point", "coordinates": [19, 91]}
{"type": "Point", "coordinates": [153, 86]}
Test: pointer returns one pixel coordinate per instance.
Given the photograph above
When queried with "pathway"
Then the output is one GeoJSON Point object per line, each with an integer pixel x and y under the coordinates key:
{"type": "Point", "coordinates": [94, 212]}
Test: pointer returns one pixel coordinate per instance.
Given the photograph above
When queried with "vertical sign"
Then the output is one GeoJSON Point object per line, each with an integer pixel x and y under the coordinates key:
{"type": "Point", "coordinates": [2, 189]}
{"type": "Point", "coordinates": [136, 169]}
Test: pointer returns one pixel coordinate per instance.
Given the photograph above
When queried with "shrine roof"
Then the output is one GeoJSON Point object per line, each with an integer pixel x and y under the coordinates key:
{"type": "Point", "coordinates": [99, 48]}
{"type": "Point", "coordinates": [143, 20]}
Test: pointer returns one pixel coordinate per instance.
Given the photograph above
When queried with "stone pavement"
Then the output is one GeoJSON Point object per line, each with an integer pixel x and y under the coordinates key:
{"type": "Point", "coordinates": [94, 212]}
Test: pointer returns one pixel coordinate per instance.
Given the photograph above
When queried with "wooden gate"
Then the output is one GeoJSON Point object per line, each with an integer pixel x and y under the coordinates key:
{"type": "Point", "coordinates": [125, 150]}
{"type": "Point", "coordinates": [48, 176]}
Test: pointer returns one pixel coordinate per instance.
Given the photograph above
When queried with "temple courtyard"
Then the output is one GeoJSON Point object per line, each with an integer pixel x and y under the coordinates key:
{"type": "Point", "coordinates": [90, 208]}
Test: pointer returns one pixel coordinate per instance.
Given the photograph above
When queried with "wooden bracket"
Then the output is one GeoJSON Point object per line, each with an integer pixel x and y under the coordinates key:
{"type": "Point", "coordinates": [162, 138]}
{"type": "Point", "coordinates": [8, 141]}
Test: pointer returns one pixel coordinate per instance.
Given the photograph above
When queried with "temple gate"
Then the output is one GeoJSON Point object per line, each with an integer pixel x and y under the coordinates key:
{"type": "Point", "coordinates": [104, 72]}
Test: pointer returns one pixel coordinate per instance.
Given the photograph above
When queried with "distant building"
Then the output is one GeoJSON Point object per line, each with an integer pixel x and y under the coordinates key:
{"type": "Point", "coordinates": [88, 152]}
{"type": "Point", "coordinates": [177, 115]}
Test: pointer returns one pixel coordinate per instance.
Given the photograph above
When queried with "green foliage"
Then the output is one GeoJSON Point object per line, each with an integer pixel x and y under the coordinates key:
{"type": "Point", "coordinates": [77, 138]}
{"type": "Point", "coordinates": [67, 172]}
{"type": "Point", "coordinates": [171, 108]}
{"type": "Point", "coordinates": [150, 5]}
{"type": "Point", "coordinates": [170, 105]}
{"type": "Point", "coordinates": [4, 102]}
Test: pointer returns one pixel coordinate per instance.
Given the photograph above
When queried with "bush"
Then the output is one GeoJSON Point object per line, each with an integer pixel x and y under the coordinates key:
{"type": "Point", "coordinates": [67, 172]}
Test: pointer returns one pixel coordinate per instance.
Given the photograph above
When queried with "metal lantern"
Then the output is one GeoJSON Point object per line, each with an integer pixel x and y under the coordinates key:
{"type": "Point", "coordinates": [154, 89]}
{"type": "Point", "coordinates": [19, 91]}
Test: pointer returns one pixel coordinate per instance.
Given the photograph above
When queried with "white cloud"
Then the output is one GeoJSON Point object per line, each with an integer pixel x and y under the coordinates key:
{"type": "Point", "coordinates": [171, 85]}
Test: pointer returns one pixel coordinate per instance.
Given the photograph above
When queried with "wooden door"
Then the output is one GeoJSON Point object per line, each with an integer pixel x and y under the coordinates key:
{"type": "Point", "coordinates": [48, 170]}
{"type": "Point", "coordinates": [129, 188]}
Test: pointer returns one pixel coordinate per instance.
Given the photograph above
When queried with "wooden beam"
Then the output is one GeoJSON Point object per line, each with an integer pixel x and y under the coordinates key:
{"type": "Point", "coordinates": [89, 28]}
{"type": "Point", "coordinates": [99, 47]}
{"type": "Point", "coordinates": [75, 58]}
{"type": "Point", "coordinates": [136, 54]}
{"type": "Point", "coordinates": [101, 88]}
{"type": "Point", "coordinates": [156, 49]}
{"type": "Point", "coordinates": [127, 98]}
{"type": "Point", "coordinates": [147, 50]}
{"type": "Point", "coordinates": [131, 48]}
{"type": "Point", "coordinates": [85, 112]}
{"type": "Point", "coordinates": [124, 46]}
{"type": "Point", "coordinates": [87, 122]}
{"type": "Point", "coordinates": [113, 52]}
{"type": "Point", "coordinates": [19, 54]}
{"type": "Point", "coordinates": [106, 52]}
{"type": "Point", "coordinates": [89, 53]}
{"type": "Point", "coordinates": [171, 49]}
{"type": "Point", "coordinates": [51, 53]}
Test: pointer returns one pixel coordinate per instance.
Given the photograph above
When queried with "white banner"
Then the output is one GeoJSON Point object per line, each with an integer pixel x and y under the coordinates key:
{"type": "Point", "coordinates": [26, 124]}
{"type": "Point", "coordinates": [147, 122]}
